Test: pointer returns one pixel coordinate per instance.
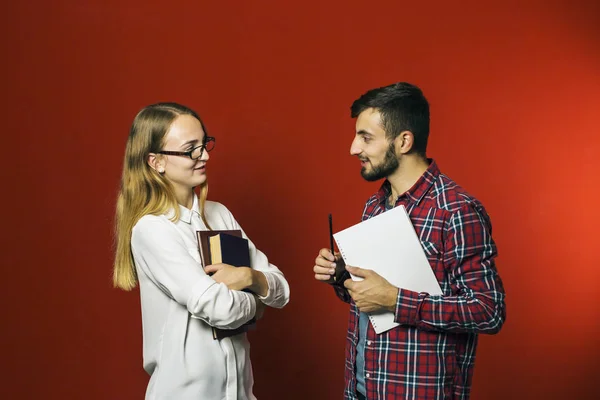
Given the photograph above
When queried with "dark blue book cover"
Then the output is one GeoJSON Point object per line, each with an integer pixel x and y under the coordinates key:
{"type": "Point", "coordinates": [229, 249]}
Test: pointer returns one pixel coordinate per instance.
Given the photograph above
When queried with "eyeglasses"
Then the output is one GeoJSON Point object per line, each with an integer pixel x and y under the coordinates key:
{"type": "Point", "coordinates": [196, 152]}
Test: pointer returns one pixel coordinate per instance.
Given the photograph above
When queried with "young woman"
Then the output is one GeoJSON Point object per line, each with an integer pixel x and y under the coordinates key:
{"type": "Point", "coordinates": [158, 214]}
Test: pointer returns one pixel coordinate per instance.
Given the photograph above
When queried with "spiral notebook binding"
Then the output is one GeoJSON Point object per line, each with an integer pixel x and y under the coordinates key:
{"type": "Point", "coordinates": [344, 257]}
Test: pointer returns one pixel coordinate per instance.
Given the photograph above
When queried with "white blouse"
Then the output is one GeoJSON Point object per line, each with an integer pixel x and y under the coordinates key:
{"type": "Point", "coordinates": [180, 304]}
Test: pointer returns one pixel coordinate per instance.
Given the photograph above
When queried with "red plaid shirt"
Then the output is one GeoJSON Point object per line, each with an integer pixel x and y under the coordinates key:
{"type": "Point", "coordinates": [432, 353]}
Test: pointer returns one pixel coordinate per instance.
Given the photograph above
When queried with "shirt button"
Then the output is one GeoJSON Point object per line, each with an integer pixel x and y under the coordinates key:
{"type": "Point", "coordinates": [369, 342]}
{"type": "Point", "coordinates": [367, 375]}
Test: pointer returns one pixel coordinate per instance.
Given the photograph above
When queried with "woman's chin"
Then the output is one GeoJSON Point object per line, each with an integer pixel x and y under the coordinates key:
{"type": "Point", "coordinates": [199, 180]}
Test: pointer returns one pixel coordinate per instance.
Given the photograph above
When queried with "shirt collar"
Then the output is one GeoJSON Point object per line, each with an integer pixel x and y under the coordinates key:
{"type": "Point", "coordinates": [185, 214]}
{"type": "Point", "coordinates": [417, 191]}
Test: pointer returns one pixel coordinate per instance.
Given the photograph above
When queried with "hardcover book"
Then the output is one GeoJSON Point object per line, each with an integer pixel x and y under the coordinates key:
{"type": "Point", "coordinates": [228, 247]}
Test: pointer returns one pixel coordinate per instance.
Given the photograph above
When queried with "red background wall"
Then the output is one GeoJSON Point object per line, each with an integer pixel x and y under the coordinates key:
{"type": "Point", "coordinates": [514, 92]}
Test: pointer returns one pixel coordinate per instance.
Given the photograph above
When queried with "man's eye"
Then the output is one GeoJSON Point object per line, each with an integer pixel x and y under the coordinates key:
{"type": "Point", "coordinates": [366, 139]}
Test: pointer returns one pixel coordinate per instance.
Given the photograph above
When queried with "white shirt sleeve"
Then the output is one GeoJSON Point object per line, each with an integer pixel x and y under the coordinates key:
{"type": "Point", "coordinates": [161, 254]}
{"type": "Point", "coordinates": [278, 294]}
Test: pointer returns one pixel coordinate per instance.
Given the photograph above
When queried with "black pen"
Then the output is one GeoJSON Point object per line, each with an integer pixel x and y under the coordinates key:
{"type": "Point", "coordinates": [330, 234]}
{"type": "Point", "coordinates": [331, 239]}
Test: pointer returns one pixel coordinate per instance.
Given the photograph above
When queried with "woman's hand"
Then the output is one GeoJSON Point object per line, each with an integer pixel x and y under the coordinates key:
{"type": "Point", "coordinates": [239, 278]}
{"type": "Point", "coordinates": [236, 278]}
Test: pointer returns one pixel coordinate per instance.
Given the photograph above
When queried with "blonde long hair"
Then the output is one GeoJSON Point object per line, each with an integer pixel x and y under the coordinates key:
{"type": "Point", "coordinates": [143, 190]}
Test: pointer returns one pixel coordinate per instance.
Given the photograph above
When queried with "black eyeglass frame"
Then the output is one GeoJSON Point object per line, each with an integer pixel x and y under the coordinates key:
{"type": "Point", "coordinates": [207, 140]}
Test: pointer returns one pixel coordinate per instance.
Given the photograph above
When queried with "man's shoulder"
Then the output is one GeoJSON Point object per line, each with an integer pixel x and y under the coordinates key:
{"type": "Point", "coordinates": [447, 195]}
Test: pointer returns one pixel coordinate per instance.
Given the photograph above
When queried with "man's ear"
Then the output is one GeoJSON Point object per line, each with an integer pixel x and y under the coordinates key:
{"type": "Point", "coordinates": [155, 163]}
{"type": "Point", "coordinates": [405, 142]}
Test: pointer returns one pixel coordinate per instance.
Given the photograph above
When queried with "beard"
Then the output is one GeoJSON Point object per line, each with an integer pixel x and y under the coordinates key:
{"type": "Point", "coordinates": [389, 164]}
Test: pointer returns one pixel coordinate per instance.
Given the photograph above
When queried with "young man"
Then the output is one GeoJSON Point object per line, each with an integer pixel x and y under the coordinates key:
{"type": "Point", "coordinates": [432, 353]}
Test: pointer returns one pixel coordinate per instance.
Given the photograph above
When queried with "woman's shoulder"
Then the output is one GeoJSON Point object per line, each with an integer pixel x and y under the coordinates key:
{"type": "Point", "coordinates": [151, 222]}
{"type": "Point", "coordinates": [219, 216]}
{"type": "Point", "coordinates": [215, 208]}
{"type": "Point", "coordinates": [154, 231]}
{"type": "Point", "coordinates": [151, 218]}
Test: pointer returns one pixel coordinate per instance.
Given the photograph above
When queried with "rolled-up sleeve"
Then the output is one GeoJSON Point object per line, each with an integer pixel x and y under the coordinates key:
{"type": "Point", "coordinates": [160, 253]}
{"type": "Point", "coordinates": [278, 294]}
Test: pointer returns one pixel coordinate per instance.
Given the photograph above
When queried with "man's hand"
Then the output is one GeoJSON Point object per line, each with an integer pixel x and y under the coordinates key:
{"type": "Point", "coordinates": [326, 264]}
{"type": "Point", "coordinates": [236, 278]}
{"type": "Point", "coordinates": [373, 293]}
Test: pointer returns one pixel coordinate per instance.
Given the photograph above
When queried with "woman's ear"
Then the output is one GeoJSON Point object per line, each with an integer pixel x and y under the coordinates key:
{"type": "Point", "coordinates": [155, 163]}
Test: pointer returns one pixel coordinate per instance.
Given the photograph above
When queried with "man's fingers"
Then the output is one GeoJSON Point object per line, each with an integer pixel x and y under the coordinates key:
{"type": "Point", "coordinates": [349, 284]}
{"type": "Point", "coordinates": [326, 254]}
{"type": "Point", "coordinates": [317, 269]}
{"type": "Point", "coordinates": [321, 277]}
{"type": "Point", "coordinates": [356, 271]}
{"type": "Point", "coordinates": [323, 262]}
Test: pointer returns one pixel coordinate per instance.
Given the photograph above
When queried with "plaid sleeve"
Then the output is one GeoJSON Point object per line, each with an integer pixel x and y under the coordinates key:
{"type": "Point", "coordinates": [477, 301]}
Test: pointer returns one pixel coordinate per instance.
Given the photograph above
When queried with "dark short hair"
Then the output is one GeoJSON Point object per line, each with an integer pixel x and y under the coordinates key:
{"type": "Point", "coordinates": [403, 107]}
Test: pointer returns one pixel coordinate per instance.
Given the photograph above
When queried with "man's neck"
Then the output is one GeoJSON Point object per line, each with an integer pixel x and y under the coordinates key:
{"type": "Point", "coordinates": [409, 171]}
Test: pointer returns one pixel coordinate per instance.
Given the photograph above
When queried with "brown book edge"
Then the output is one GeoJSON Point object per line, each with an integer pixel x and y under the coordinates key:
{"type": "Point", "coordinates": [204, 246]}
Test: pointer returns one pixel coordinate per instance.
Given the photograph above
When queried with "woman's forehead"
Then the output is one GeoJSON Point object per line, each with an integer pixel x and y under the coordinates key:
{"type": "Point", "coordinates": [185, 128]}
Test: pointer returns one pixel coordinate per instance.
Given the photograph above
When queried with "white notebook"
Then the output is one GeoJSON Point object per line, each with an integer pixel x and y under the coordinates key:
{"type": "Point", "coordinates": [388, 245]}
